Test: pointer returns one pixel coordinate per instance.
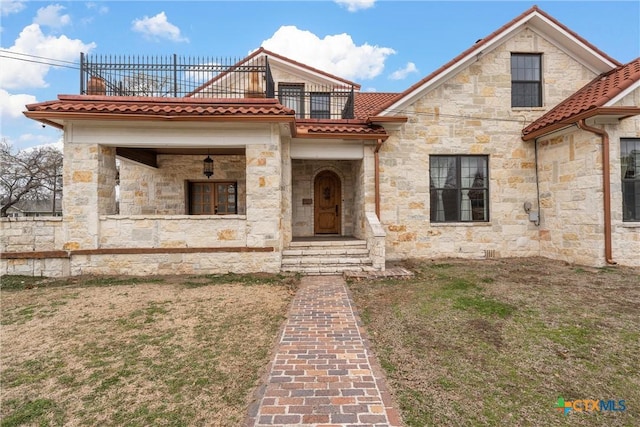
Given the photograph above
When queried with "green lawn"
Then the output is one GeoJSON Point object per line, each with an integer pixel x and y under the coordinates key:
{"type": "Point", "coordinates": [118, 351]}
{"type": "Point", "coordinates": [497, 342]}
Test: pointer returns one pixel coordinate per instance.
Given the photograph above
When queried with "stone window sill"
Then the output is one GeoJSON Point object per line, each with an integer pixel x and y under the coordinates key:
{"type": "Point", "coordinates": [175, 217]}
{"type": "Point", "coordinates": [630, 225]}
{"type": "Point", "coordinates": [460, 224]}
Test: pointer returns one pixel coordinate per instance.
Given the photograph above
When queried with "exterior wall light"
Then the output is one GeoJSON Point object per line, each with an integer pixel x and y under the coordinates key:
{"type": "Point", "coordinates": [207, 166]}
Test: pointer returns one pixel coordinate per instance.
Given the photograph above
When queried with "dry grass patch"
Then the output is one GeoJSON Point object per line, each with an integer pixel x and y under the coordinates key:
{"type": "Point", "coordinates": [107, 351]}
{"type": "Point", "coordinates": [497, 342]}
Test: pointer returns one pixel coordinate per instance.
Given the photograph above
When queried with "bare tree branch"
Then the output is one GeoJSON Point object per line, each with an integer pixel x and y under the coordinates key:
{"type": "Point", "coordinates": [33, 174]}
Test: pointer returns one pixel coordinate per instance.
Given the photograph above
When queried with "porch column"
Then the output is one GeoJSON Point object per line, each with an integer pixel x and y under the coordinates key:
{"type": "Point", "coordinates": [88, 192]}
{"type": "Point", "coordinates": [264, 197]}
{"type": "Point", "coordinates": [369, 182]}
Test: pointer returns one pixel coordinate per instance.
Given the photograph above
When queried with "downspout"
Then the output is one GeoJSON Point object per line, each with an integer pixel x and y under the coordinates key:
{"type": "Point", "coordinates": [606, 184]}
{"type": "Point", "coordinates": [377, 176]}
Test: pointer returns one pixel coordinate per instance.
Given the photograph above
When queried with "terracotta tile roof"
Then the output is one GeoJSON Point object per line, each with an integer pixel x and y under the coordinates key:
{"type": "Point", "coordinates": [159, 107]}
{"type": "Point", "coordinates": [591, 98]}
{"type": "Point", "coordinates": [355, 129]}
{"type": "Point", "coordinates": [480, 44]}
{"type": "Point", "coordinates": [368, 103]}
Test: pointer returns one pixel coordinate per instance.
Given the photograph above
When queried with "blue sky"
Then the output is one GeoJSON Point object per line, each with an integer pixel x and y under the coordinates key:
{"type": "Point", "coordinates": [385, 46]}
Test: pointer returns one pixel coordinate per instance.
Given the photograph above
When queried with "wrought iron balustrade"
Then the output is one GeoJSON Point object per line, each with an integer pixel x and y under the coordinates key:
{"type": "Point", "coordinates": [206, 77]}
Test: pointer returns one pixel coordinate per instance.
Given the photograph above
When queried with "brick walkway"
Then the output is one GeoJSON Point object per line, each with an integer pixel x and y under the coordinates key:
{"type": "Point", "coordinates": [323, 373]}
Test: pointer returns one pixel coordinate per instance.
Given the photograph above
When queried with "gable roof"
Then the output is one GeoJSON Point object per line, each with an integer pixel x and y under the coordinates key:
{"type": "Point", "coordinates": [280, 59]}
{"type": "Point", "coordinates": [595, 98]}
{"type": "Point", "coordinates": [534, 18]}
{"type": "Point", "coordinates": [152, 108]}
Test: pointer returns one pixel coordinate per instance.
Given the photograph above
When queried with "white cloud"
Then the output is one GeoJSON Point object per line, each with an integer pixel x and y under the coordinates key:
{"type": "Point", "coordinates": [356, 5]}
{"type": "Point", "coordinates": [49, 16]}
{"type": "Point", "coordinates": [42, 141]}
{"type": "Point", "coordinates": [157, 27]}
{"type": "Point", "coordinates": [101, 8]}
{"type": "Point", "coordinates": [18, 73]}
{"type": "Point", "coordinates": [335, 54]}
{"type": "Point", "coordinates": [404, 72]}
{"type": "Point", "coordinates": [7, 7]}
{"type": "Point", "coordinates": [12, 106]}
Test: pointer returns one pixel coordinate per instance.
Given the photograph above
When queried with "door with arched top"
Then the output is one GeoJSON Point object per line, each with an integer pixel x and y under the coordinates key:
{"type": "Point", "coordinates": [327, 203]}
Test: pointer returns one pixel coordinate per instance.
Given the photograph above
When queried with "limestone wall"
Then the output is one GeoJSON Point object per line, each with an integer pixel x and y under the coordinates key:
{"type": "Point", "coordinates": [471, 114]}
{"type": "Point", "coordinates": [32, 234]}
{"type": "Point", "coordinates": [625, 235]}
{"type": "Point", "coordinates": [572, 196]}
{"type": "Point", "coordinates": [27, 234]}
{"type": "Point", "coordinates": [162, 191]}
{"type": "Point", "coordinates": [571, 199]}
{"type": "Point", "coordinates": [304, 173]}
{"type": "Point", "coordinates": [173, 231]}
{"type": "Point", "coordinates": [177, 263]}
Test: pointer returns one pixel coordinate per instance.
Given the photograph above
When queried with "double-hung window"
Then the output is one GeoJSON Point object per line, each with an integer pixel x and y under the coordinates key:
{"type": "Point", "coordinates": [292, 95]}
{"type": "Point", "coordinates": [459, 188]}
{"type": "Point", "coordinates": [526, 80]}
{"type": "Point", "coordinates": [213, 198]}
{"type": "Point", "coordinates": [630, 168]}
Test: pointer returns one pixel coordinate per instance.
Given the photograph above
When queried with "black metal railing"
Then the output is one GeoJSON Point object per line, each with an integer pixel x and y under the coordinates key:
{"type": "Point", "coordinates": [205, 77]}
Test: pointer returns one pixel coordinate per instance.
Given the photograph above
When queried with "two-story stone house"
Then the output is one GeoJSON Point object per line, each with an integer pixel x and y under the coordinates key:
{"type": "Point", "coordinates": [526, 144]}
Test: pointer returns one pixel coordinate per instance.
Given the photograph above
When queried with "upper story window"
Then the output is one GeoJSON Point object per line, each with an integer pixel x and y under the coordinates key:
{"type": "Point", "coordinates": [213, 198]}
{"type": "Point", "coordinates": [320, 105]}
{"type": "Point", "coordinates": [630, 168]}
{"type": "Point", "coordinates": [526, 80]}
{"type": "Point", "coordinates": [292, 95]}
{"type": "Point", "coordinates": [459, 188]}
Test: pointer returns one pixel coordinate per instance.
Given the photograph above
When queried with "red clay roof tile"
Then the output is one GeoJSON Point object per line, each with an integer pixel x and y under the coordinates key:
{"type": "Point", "coordinates": [596, 94]}
{"type": "Point", "coordinates": [151, 106]}
{"type": "Point", "coordinates": [368, 103]}
{"type": "Point", "coordinates": [353, 128]}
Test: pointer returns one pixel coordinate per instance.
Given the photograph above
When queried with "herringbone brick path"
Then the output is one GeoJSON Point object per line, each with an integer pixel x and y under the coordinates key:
{"type": "Point", "coordinates": [323, 373]}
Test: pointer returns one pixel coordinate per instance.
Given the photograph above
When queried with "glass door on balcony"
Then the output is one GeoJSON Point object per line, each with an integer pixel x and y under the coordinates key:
{"type": "Point", "coordinates": [292, 95]}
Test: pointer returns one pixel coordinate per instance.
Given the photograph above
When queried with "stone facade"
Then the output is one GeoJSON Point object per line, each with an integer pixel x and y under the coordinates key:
{"type": "Point", "coordinates": [471, 114]}
{"type": "Point", "coordinates": [162, 191]}
{"type": "Point", "coordinates": [572, 196]}
{"type": "Point", "coordinates": [305, 172]}
{"type": "Point", "coordinates": [150, 231]}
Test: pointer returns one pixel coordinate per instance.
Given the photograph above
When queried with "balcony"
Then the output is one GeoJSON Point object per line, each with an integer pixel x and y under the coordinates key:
{"type": "Point", "coordinates": [203, 77]}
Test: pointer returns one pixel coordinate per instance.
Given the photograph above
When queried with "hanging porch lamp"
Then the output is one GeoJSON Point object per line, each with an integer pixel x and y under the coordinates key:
{"type": "Point", "coordinates": [207, 166]}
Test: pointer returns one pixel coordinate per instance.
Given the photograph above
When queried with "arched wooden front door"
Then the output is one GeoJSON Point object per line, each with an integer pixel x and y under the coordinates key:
{"type": "Point", "coordinates": [327, 203]}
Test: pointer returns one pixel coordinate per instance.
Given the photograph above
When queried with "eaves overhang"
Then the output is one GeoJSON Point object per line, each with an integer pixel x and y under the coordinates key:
{"type": "Point", "coordinates": [608, 113]}
{"type": "Point", "coordinates": [339, 129]}
{"type": "Point", "coordinates": [109, 108]}
{"type": "Point", "coordinates": [534, 19]}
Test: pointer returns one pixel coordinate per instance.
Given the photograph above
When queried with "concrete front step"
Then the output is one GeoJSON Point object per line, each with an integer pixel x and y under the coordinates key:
{"type": "Point", "coordinates": [327, 243]}
{"type": "Point", "coordinates": [327, 269]}
{"type": "Point", "coordinates": [308, 260]}
{"type": "Point", "coordinates": [325, 252]}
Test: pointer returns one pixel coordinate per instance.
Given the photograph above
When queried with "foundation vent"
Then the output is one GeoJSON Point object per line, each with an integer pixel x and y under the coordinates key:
{"type": "Point", "coordinates": [490, 253]}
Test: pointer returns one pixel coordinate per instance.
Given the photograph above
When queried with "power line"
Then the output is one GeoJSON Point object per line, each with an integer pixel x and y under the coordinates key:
{"type": "Point", "coordinates": [39, 62]}
{"type": "Point", "coordinates": [38, 57]}
{"type": "Point", "coordinates": [76, 66]}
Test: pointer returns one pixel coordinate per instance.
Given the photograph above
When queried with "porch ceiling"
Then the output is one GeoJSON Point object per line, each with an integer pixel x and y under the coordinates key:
{"type": "Point", "coordinates": [148, 156]}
